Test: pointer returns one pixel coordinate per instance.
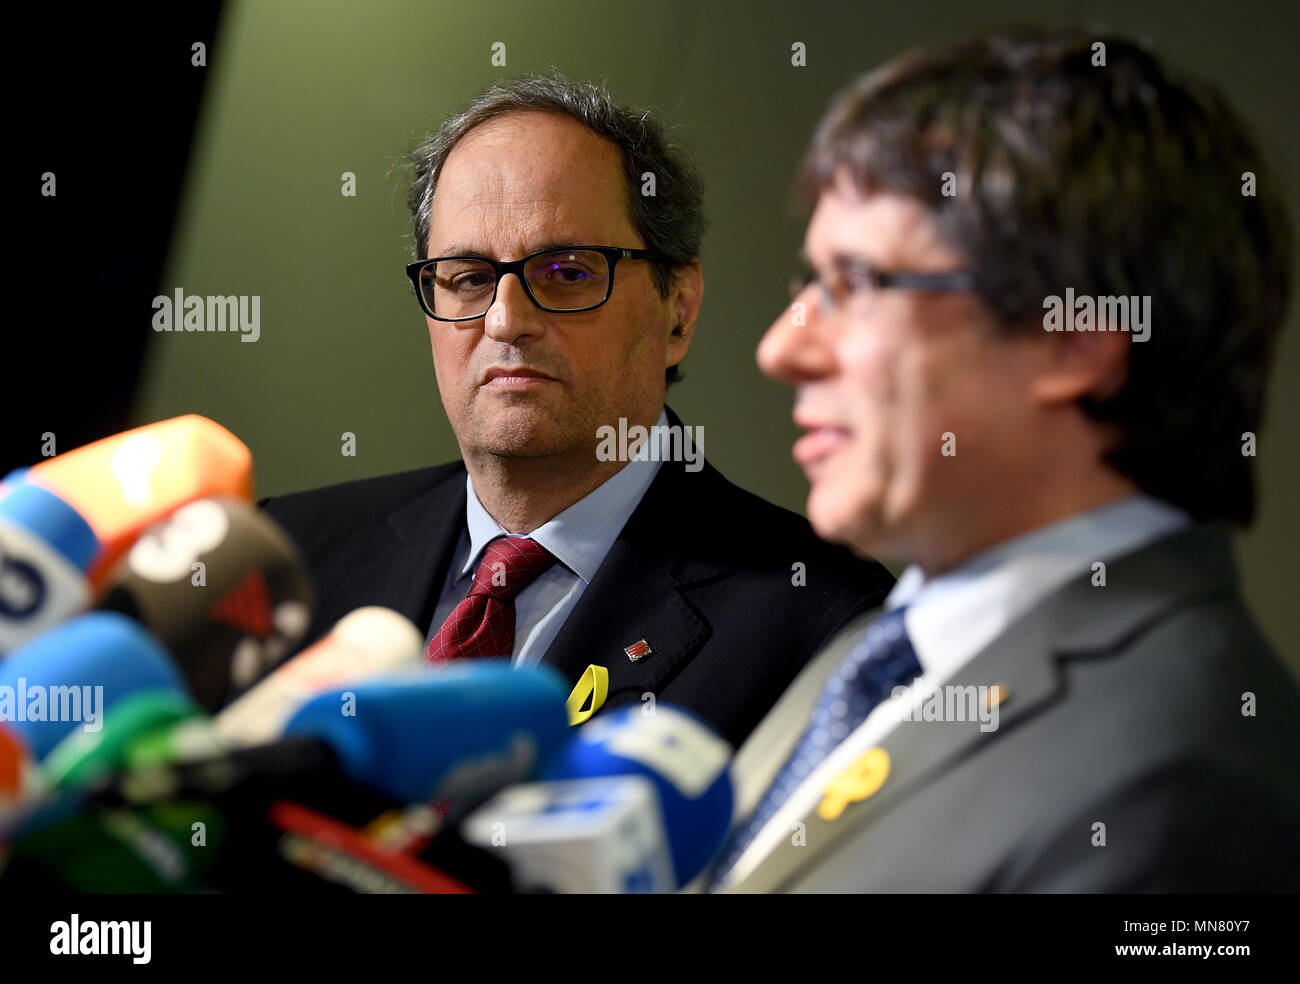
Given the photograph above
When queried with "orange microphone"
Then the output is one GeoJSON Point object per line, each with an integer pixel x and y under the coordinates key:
{"type": "Point", "coordinates": [124, 483]}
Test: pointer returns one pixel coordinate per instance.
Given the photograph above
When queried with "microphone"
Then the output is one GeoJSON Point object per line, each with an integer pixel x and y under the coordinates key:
{"type": "Point", "coordinates": [279, 818]}
{"type": "Point", "coordinates": [84, 756]}
{"type": "Point", "coordinates": [408, 738]}
{"type": "Point", "coordinates": [457, 734]}
{"type": "Point", "coordinates": [355, 753]}
{"type": "Point", "coordinates": [632, 802]}
{"type": "Point", "coordinates": [363, 644]}
{"type": "Point", "coordinates": [12, 480]}
{"type": "Point", "coordinates": [152, 728]}
{"type": "Point", "coordinates": [123, 483]}
{"type": "Point", "coordinates": [17, 775]}
{"type": "Point", "coordinates": [581, 837]}
{"type": "Point", "coordinates": [326, 849]}
{"type": "Point", "coordinates": [45, 549]}
{"type": "Point", "coordinates": [162, 728]}
{"type": "Point", "coordinates": [221, 587]}
{"type": "Point", "coordinates": [163, 847]}
{"type": "Point", "coordinates": [290, 818]}
{"type": "Point", "coordinates": [73, 673]}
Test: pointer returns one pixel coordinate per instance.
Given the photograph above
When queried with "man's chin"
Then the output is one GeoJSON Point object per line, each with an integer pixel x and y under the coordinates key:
{"type": "Point", "coordinates": [536, 446]}
{"type": "Point", "coordinates": [525, 438]}
{"type": "Point", "coordinates": [836, 519]}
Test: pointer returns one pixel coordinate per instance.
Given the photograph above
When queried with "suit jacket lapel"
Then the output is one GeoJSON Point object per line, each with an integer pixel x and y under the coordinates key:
{"type": "Point", "coordinates": [1027, 661]}
{"type": "Point", "coordinates": [638, 593]}
{"type": "Point", "coordinates": [760, 758]}
{"type": "Point", "coordinates": [406, 571]}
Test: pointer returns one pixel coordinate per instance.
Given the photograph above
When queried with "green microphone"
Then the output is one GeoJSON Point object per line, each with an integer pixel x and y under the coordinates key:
{"type": "Point", "coordinates": [164, 847]}
{"type": "Point", "coordinates": [84, 756]}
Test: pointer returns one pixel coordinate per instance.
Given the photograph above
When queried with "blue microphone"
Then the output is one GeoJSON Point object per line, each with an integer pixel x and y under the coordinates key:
{"type": "Point", "coordinates": [46, 547]}
{"type": "Point", "coordinates": [71, 674]}
{"type": "Point", "coordinates": [455, 734]}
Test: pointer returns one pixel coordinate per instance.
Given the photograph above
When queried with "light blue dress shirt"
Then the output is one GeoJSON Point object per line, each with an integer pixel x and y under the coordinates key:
{"type": "Point", "coordinates": [579, 537]}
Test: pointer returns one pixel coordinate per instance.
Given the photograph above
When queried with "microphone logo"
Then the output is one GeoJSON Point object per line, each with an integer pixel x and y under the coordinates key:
{"type": "Point", "coordinates": [247, 606]}
{"type": "Point", "coordinates": [133, 466]}
{"type": "Point", "coordinates": [167, 552]}
{"type": "Point", "coordinates": [22, 589]}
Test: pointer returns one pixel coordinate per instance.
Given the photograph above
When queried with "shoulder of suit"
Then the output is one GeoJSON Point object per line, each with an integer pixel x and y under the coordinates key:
{"type": "Point", "coordinates": [1208, 657]}
{"type": "Point", "coordinates": [1199, 683]}
{"type": "Point", "coordinates": [363, 498]}
{"type": "Point", "coordinates": [745, 522]}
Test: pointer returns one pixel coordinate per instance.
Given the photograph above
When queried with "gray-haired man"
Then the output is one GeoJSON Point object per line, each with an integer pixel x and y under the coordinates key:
{"type": "Point", "coordinates": [560, 301]}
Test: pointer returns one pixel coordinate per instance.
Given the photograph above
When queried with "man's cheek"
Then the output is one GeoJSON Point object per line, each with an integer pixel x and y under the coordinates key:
{"type": "Point", "coordinates": [872, 365]}
{"type": "Point", "coordinates": [861, 353]}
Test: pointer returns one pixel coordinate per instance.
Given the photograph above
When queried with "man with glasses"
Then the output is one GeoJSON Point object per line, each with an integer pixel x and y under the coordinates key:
{"type": "Point", "coordinates": [1065, 691]}
{"type": "Point", "coordinates": [560, 301]}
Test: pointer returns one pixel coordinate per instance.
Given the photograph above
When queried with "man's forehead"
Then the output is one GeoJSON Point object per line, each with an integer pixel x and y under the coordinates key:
{"type": "Point", "coordinates": [543, 173]}
{"type": "Point", "coordinates": [880, 227]}
{"type": "Point", "coordinates": [531, 154]}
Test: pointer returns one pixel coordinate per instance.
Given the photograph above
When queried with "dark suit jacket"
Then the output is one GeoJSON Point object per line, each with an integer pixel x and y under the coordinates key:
{"type": "Point", "coordinates": [1125, 708]}
{"type": "Point", "coordinates": [702, 571]}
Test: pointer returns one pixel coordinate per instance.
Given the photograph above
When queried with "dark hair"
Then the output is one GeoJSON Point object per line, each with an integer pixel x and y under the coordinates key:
{"type": "Point", "coordinates": [1078, 165]}
{"type": "Point", "coordinates": [671, 221]}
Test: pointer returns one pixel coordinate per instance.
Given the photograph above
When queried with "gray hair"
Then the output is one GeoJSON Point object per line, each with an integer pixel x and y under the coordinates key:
{"type": "Point", "coordinates": [671, 220]}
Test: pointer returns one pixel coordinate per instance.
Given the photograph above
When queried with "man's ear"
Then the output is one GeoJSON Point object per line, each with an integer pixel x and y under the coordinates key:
{"type": "Point", "coordinates": [1071, 365]}
{"type": "Point", "coordinates": [686, 295]}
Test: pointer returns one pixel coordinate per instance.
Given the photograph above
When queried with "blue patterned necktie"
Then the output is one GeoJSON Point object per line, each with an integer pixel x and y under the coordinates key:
{"type": "Point", "coordinates": [880, 661]}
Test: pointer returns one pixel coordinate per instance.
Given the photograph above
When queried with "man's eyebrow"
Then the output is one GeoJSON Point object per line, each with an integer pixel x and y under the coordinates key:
{"type": "Point", "coordinates": [558, 244]}
{"type": "Point", "coordinates": [853, 261]}
{"type": "Point", "coordinates": [462, 251]}
{"type": "Point", "coordinates": [839, 263]}
{"type": "Point", "coordinates": [838, 258]}
{"type": "Point", "coordinates": [546, 246]}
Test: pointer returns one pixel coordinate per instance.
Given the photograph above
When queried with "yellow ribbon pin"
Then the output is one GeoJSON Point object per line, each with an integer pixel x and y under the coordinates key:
{"type": "Point", "coordinates": [594, 684]}
{"type": "Point", "coordinates": [860, 780]}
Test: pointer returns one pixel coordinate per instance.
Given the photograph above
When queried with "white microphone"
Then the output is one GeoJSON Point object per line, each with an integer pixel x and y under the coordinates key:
{"type": "Point", "coordinates": [365, 643]}
{"type": "Point", "coordinates": [603, 835]}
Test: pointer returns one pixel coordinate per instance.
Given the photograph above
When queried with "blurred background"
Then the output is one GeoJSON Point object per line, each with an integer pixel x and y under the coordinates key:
{"type": "Point", "coordinates": [225, 178]}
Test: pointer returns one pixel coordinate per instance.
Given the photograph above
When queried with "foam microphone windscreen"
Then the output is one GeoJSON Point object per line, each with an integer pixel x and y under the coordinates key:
{"type": "Point", "coordinates": [456, 734]}
{"type": "Point", "coordinates": [46, 547]}
{"type": "Point", "coordinates": [221, 586]}
{"type": "Point", "coordinates": [70, 676]}
{"type": "Point", "coordinates": [125, 482]}
{"type": "Point", "coordinates": [364, 643]}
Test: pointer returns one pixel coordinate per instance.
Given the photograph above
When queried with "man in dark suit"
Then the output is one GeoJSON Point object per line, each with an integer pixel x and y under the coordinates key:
{"type": "Point", "coordinates": [1065, 691]}
{"type": "Point", "coordinates": [583, 527]}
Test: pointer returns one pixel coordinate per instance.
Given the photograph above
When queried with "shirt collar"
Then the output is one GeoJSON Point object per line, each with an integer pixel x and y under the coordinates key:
{"type": "Point", "coordinates": [952, 616]}
{"type": "Point", "coordinates": [581, 535]}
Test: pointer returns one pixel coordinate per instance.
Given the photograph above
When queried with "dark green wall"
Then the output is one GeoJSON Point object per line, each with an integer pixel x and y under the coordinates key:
{"type": "Point", "coordinates": [302, 92]}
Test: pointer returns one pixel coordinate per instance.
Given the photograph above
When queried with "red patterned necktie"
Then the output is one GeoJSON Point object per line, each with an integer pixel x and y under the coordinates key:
{"type": "Point", "coordinates": [484, 623]}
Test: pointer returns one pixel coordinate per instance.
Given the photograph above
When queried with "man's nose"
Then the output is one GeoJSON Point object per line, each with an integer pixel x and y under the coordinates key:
{"type": "Point", "coordinates": [512, 314]}
{"type": "Point", "coordinates": [794, 349]}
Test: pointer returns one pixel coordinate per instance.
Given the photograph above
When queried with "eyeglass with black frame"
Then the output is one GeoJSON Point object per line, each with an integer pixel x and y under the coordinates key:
{"type": "Point", "coordinates": [864, 274]}
{"type": "Point", "coordinates": [562, 281]}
